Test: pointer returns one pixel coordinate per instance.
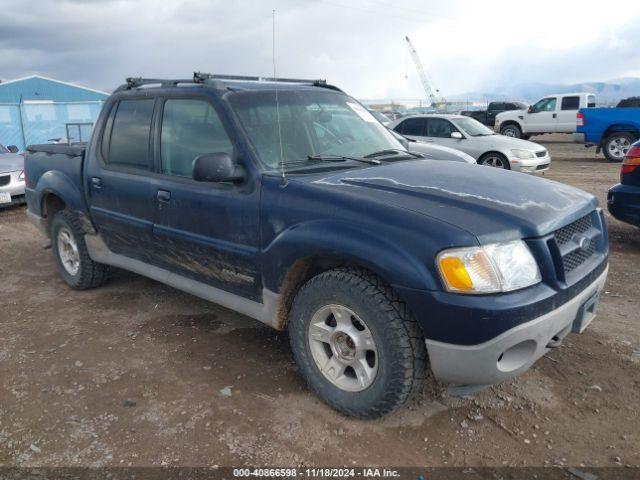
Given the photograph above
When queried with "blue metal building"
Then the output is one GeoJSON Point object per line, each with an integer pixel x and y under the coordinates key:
{"type": "Point", "coordinates": [37, 109]}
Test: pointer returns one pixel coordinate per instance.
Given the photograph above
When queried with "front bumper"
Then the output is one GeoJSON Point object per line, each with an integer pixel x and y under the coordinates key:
{"type": "Point", "coordinates": [11, 184]}
{"type": "Point", "coordinates": [512, 352]}
{"type": "Point", "coordinates": [534, 165]}
{"type": "Point", "coordinates": [623, 202]}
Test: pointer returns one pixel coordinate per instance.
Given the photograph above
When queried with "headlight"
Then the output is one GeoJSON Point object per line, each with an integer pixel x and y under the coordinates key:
{"type": "Point", "coordinates": [21, 176]}
{"type": "Point", "coordinates": [499, 267]}
{"type": "Point", "coordinates": [522, 154]}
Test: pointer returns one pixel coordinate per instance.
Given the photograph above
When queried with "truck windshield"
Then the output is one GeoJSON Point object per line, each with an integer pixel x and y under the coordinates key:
{"type": "Point", "coordinates": [313, 125]}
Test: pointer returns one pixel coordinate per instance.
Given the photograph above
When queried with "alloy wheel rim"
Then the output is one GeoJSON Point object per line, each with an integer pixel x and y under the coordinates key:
{"type": "Point", "coordinates": [68, 251]}
{"type": "Point", "coordinates": [510, 132]}
{"type": "Point", "coordinates": [343, 348]}
{"type": "Point", "coordinates": [493, 161]}
{"type": "Point", "coordinates": [619, 147]}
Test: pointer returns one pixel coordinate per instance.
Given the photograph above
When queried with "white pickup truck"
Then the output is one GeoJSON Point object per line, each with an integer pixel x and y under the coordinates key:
{"type": "Point", "coordinates": [551, 114]}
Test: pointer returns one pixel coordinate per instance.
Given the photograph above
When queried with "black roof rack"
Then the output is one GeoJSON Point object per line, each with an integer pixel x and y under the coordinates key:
{"type": "Point", "coordinates": [216, 80]}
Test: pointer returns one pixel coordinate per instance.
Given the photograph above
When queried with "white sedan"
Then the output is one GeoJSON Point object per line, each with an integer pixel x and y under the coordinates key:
{"type": "Point", "coordinates": [472, 137]}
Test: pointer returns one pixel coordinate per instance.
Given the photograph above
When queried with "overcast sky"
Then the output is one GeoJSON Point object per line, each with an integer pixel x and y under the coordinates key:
{"type": "Point", "coordinates": [356, 44]}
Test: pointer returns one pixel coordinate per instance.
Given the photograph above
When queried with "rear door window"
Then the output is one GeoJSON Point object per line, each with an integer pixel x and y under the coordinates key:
{"type": "Point", "coordinates": [190, 128]}
{"type": "Point", "coordinates": [438, 127]}
{"type": "Point", "coordinates": [570, 103]}
{"type": "Point", "coordinates": [413, 126]}
{"type": "Point", "coordinates": [127, 143]}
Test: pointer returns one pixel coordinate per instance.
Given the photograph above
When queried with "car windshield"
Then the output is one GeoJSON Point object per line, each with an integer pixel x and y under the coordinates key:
{"type": "Point", "coordinates": [472, 127]}
{"type": "Point", "coordinates": [313, 123]}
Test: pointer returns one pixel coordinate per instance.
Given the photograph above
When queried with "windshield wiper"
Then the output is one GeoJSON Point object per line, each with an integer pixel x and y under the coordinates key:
{"type": "Point", "coordinates": [342, 158]}
{"type": "Point", "coordinates": [393, 151]}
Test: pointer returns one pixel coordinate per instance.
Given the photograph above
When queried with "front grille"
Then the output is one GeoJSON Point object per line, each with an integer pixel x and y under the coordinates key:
{"type": "Point", "coordinates": [541, 153]}
{"type": "Point", "coordinates": [4, 180]}
{"type": "Point", "coordinates": [568, 239]}
{"type": "Point", "coordinates": [573, 260]}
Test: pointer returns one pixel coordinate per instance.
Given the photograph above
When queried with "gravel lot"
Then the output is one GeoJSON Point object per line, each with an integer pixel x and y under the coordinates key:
{"type": "Point", "coordinates": [137, 373]}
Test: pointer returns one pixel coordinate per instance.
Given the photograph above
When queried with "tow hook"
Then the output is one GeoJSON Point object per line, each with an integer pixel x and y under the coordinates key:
{"type": "Point", "coordinates": [555, 342]}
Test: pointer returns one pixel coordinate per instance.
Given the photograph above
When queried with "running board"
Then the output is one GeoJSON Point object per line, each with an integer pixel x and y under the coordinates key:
{"type": "Point", "coordinates": [265, 312]}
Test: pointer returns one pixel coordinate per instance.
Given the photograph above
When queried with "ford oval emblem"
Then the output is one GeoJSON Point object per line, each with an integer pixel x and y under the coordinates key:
{"type": "Point", "coordinates": [583, 242]}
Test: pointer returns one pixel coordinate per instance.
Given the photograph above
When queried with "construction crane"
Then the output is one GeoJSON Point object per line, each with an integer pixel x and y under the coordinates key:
{"type": "Point", "coordinates": [424, 77]}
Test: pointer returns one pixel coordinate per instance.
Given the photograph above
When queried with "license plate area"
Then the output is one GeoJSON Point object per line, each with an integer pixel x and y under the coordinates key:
{"type": "Point", "coordinates": [586, 313]}
{"type": "Point", "coordinates": [5, 197]}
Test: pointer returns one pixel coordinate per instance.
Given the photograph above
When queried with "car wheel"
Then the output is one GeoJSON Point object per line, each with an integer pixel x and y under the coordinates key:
{"type": "Point", "coordinates": [356, 344]}
{"type": "Point", "coordinates": [511, 130]}
{"type": "Point", "coordinates": [71, 255]}
{"type": "Point", "coordinates": [617, 145]}
{"type": "Point", "coordinates": [494, 159]}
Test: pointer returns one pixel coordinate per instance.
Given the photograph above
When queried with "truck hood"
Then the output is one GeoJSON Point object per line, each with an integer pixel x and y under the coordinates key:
{"type": "Point", "coordinates": [11, 162]}
{"type": "Point", "coordinates": [492, 204]}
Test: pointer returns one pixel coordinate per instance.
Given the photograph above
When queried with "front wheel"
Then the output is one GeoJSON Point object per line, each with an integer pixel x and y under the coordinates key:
{"type": "Point", "coordinates": [617, 145]}
{"type": "Point", "coordinates": [356, 344]}
{"type": "Point", "coordinates": [71, 255]}
{"type": "Point", "coordinates": [511, 130]}
{"type": "Point", "coordinates": [494, 159]}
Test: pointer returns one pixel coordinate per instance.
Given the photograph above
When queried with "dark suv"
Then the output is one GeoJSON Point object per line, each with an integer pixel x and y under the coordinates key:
{"type": "Point", "coordinates": [288, 202]}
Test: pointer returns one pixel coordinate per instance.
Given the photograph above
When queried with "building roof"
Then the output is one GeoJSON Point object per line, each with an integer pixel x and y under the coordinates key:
{"type": "Point", "coordinates": [39, 88]}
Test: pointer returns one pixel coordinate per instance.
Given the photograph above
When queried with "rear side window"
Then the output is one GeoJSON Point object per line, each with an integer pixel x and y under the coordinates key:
{"type": "Point", "coordinates": [440, 128]}
{"type": "Point", "coordinates": [412, 126]}
{"type": "Point", "coordinates": [190, 128]}
{"type": "Point", "coordinates": [126, 139]}
{"type": "Point", "coordinates": [496, 106]}
{"type": "Point", "coordinates": [570, 103]}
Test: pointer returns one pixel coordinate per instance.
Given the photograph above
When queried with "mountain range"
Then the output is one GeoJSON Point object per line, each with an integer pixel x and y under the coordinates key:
{"type": "Point", "coordinates": [607, 93]}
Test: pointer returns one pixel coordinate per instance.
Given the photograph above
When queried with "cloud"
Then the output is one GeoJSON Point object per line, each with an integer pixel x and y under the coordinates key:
{"type": "Point", "coordinates": [356, 44]}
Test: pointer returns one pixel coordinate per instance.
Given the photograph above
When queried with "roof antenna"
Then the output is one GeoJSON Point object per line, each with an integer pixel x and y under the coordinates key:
{"type": "Point", "coordinates": [283, 178]}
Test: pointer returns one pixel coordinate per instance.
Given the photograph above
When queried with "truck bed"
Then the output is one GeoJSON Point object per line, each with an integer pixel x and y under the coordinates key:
{"type": "Point", "coordinates": [60, 166]}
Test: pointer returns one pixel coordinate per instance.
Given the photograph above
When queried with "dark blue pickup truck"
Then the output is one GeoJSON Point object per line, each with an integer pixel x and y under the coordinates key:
{"type": "Point", "coordinates": [288, 202]}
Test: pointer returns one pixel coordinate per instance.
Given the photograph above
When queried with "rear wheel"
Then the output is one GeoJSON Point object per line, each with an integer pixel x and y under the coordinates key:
{"type": "Point", "coordinates": [617, 145]}
{"type": "Point", "coordinates": [356, 344]}
{"type": "Point", "coordinates": [511, 130]}
{"type": "Point", "coordinates": [494, 159]}
{"type": "Point", "coordinates": [71, 255]}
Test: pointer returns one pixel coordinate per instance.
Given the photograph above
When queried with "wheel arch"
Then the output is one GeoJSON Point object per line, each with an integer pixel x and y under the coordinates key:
{"type": "Point", "coordinates": [57, 192]}
{"type": "Point", "coordinates": [511, 123]}
{"type": "Point", "coordinates": [303, 253]}
{"type": "Point", "coordinates": [620, 128]}
{"type": "Point", "coordinates": [494, 152]}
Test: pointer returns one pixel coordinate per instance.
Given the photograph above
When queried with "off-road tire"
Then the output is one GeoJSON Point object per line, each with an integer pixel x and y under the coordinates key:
{"type": "Point", "coordinates": [401, 351]}
{"type": "Point", "coordinates": [90, 274]}
{"type": "Point", "coordinates": [624, 136]}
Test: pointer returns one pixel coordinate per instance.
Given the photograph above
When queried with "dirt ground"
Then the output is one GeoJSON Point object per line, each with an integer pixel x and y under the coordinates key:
{"type": "Point", "coordinates": [137, 373]}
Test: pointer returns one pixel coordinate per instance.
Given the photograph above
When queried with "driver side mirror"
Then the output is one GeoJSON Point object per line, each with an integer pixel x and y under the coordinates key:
{"type": "Point", "coordinates": [456, 135]}
{"type": "Point", "coordinates": [12, 149]}
{"type": "Point", "coordinates": [530, 109]}
{"type": "Point", "coordinates": [217, 167]}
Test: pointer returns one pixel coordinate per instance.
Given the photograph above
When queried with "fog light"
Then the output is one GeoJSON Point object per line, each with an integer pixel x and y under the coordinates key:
{"type": "Point", "coordinates": [515, 357]}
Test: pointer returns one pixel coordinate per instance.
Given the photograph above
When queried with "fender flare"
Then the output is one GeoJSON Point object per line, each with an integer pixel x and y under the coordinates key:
{"type": "Point", "coordinates": [57, 183]}
{"type": "Point", "coordinates": [343, 241]}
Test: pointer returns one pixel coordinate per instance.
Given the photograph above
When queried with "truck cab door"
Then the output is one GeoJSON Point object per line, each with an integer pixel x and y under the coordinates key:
{"type": "Point", "coordinates": [542, 117]}
{"type": "Point", "coordinates": [205, 231]}
{"type": "Point", "coordinates": [494, 109]}
{"type": "Point", "coordinates": [118, 182]}
{"type": "Point", "coordinates": [569, 107]}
